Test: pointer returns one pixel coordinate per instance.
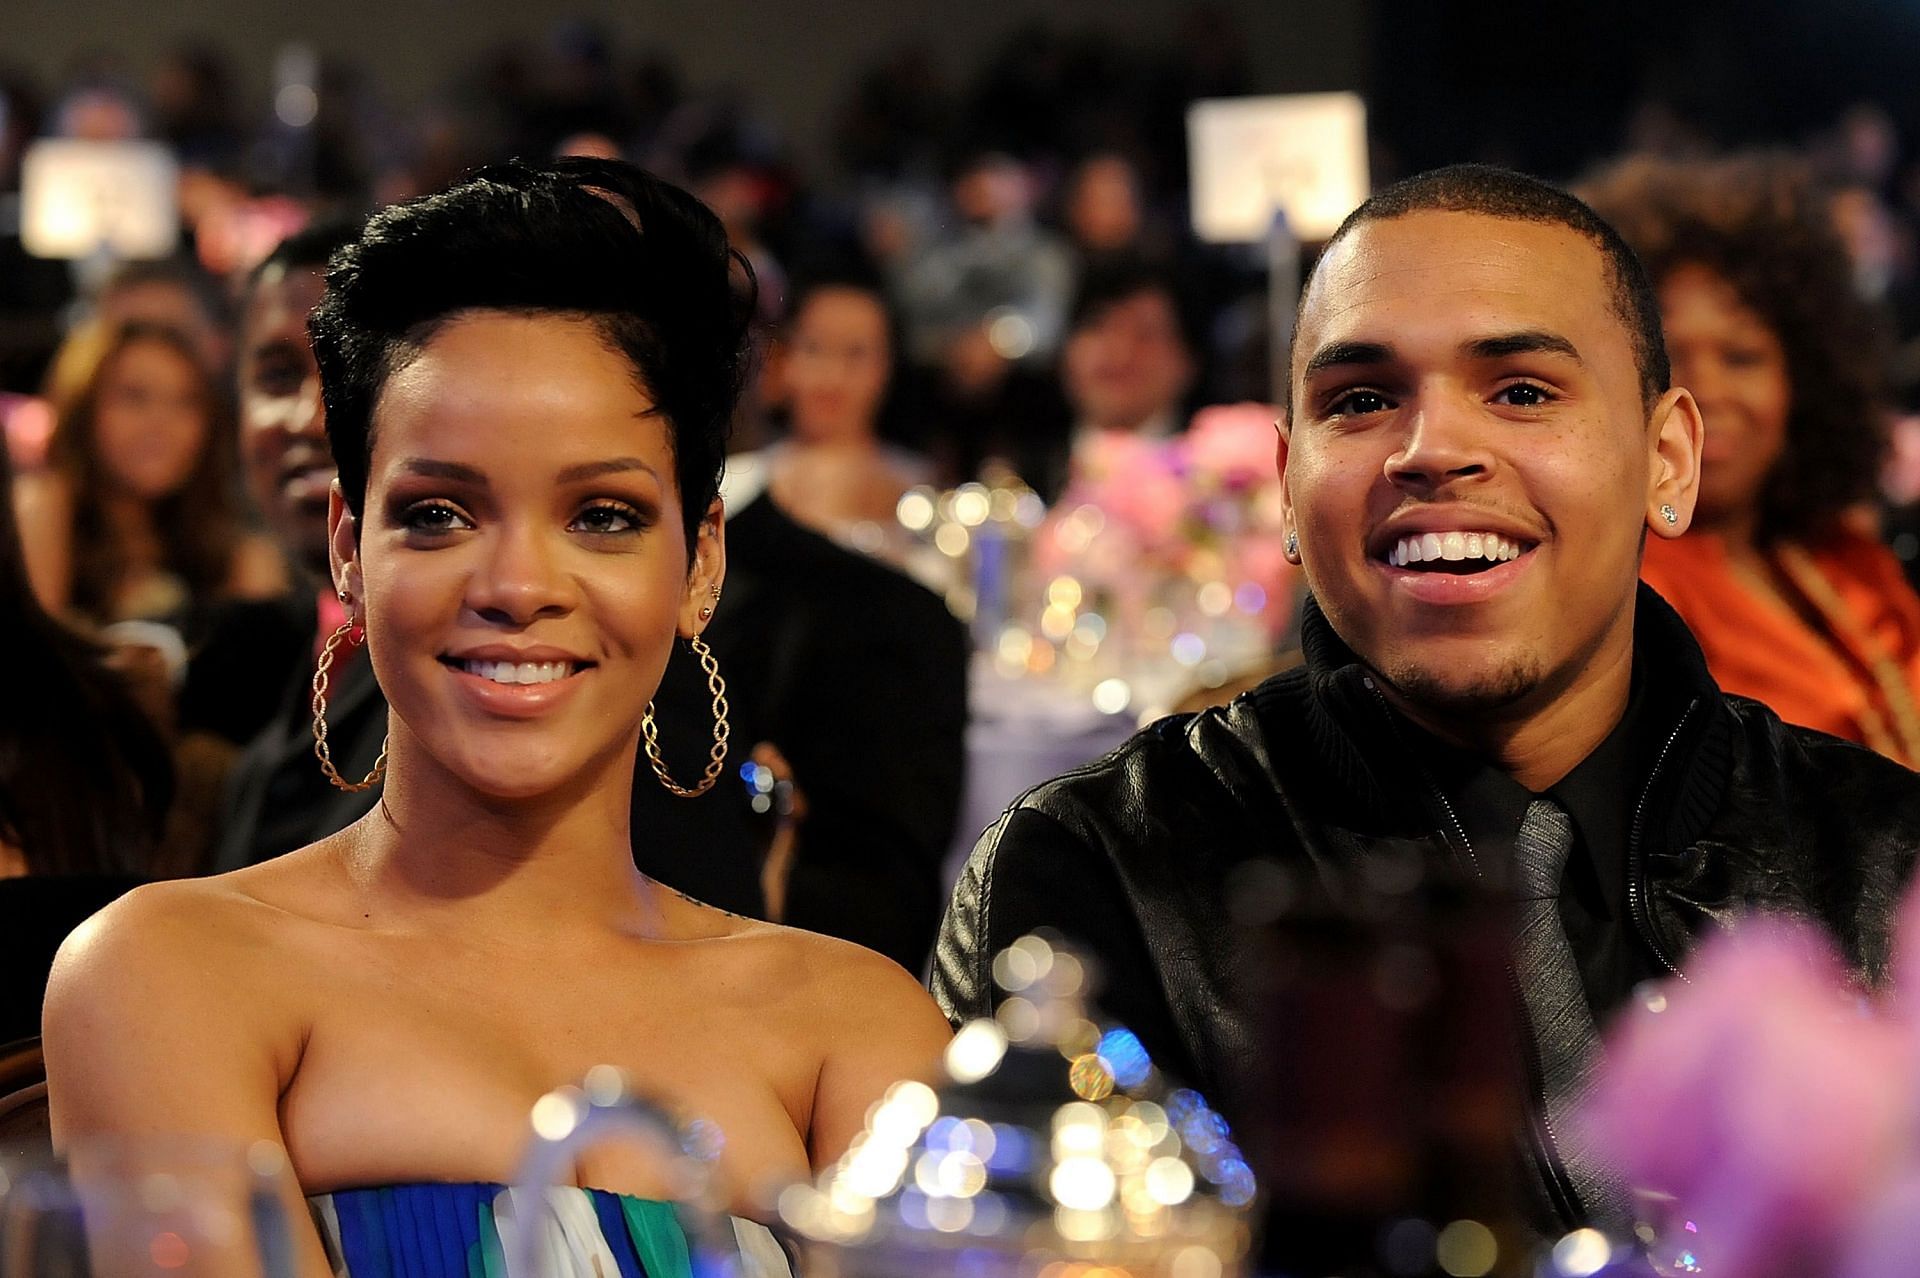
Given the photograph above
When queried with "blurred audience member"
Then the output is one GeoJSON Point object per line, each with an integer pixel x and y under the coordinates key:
{"type": "Point", "coordinates": [1795, 601]}
{"type": "Point", "coordinates": [996, 287]}
{"type": "Point", "coordinates": [84, 786]}
{"type": "Point", "coordinates": [136, 517]}
{"type": "Point", "coordinates": [174, 294]}
{"type": "Point", "coordinates": [1103, 212]}
{"type": "Point", "coordinates": [833, 370]}
{"type": "Point", "coordinates": [856, 677]}
{"type": "Point", "coordinates": [1128, 366]}
{"type": "Point", "coordinates": [277, 799]}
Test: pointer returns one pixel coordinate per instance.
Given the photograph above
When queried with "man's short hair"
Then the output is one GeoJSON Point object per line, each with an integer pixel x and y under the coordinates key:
{"type": "Point", "coordinates": [1108, 284]}
{"type": "Point", "coordinates": [308, 249]}
{"type": "Point", "coordinates": [1502, 193]}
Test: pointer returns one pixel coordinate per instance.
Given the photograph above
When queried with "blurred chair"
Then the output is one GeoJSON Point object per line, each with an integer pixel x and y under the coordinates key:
{"type": "Point", "coordinates": [25, 1130]}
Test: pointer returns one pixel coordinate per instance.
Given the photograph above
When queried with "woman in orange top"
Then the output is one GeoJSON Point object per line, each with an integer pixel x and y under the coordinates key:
{"type": "Point", "coordinates": [1794, 600]}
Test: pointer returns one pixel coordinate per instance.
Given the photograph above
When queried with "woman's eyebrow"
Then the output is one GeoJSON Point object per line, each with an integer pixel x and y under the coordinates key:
{"type": "Point", "coordinates": [611, 466]}
{"type": "Point", "coordinates": [432, 469]}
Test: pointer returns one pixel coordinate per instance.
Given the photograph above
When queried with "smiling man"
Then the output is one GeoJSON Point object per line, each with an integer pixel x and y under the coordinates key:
{"type": "Point", "coordinates": [1479, 438]}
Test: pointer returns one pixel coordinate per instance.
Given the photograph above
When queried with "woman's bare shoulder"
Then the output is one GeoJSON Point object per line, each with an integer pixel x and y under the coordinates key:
{"type": "Point", "coordinates": [159, 928]}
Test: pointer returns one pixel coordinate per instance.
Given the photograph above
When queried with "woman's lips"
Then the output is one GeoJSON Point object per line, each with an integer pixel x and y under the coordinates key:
{"type": "Point", "coordinates": [515, 700]}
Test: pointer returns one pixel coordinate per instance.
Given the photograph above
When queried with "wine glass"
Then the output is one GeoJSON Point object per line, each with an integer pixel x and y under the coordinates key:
{"type": "Point", "coordinates": [148, 1207]}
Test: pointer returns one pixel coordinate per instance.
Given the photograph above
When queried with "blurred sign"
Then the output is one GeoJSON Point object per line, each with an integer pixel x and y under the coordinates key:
{"type": "Point", "coordinates": [1302, 153]}
{"type": "Point", "coordinates": [78, 199]}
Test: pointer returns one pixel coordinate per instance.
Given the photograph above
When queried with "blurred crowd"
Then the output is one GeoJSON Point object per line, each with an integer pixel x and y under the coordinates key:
{"type": "Point", "coordinates": [991, 280]}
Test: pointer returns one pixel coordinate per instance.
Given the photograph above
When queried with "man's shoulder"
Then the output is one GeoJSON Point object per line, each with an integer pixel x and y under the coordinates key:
{"type": "Point", "coordinates": [1842, 779]}
{"type": "Point", "coordinates": [1185, 774]}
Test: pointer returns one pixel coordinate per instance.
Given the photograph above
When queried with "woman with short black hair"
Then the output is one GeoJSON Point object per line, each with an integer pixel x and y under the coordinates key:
{"type": "Point", "coordinates": [528, 380]}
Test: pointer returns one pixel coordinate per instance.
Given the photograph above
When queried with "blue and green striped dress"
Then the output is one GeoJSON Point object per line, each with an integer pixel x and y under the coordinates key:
{"type": "Point", "coordinates": [436, 1230]}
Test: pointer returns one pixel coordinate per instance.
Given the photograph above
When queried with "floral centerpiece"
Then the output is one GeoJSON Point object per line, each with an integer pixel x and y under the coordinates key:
{"type": "Point", "coordinates": [1772, 1108]}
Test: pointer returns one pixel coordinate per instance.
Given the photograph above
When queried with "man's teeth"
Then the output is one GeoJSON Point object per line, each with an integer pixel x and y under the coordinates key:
{"type": "Point", "coordinates": [519, 672]}
{"type": "Point", "coordinates": [1432, 547]}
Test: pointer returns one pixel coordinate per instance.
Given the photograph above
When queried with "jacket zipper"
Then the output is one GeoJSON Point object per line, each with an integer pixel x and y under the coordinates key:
{"type": "Point", "coordinates": [1636, 899]}
{"type": "Point", "coordinates": [1544, 1141]}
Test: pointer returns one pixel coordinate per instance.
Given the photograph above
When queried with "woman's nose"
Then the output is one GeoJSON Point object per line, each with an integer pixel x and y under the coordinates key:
{"type": "Point", "coordinates": [519, 578]}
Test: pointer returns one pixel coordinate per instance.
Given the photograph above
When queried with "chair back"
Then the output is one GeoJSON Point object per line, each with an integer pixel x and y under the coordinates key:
{"type": "Point", "coordinates": [25, 1129]}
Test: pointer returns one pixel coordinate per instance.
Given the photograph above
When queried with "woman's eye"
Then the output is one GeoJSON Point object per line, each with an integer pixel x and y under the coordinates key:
{"type": "Point", "coordinates": [433, 517]}
{"type": "Point", "coordinates": [1524, 395]}
{"type": "Point", "coordinates": [1359, 403]}
{"type": "Point", "coordinates": [609, 518]}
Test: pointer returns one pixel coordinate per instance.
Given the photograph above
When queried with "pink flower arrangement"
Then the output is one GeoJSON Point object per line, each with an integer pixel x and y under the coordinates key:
{"type": "Point", "coordinates": [1777, 1103]}
{"type": "Point", "coordinates": [1203, 504]}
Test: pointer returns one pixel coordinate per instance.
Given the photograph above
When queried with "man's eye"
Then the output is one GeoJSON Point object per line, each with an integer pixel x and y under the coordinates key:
{"type": "Point", "coordinates": [433, 517]}
{"type": "Point", "coordinates": [1524, 395]}
{"type": "Point", "coordinates": [1359, 402]}
{"type": "Point", "coordinates": [609, 518]}
{"type": "Point", "coordinates": [278, 381]}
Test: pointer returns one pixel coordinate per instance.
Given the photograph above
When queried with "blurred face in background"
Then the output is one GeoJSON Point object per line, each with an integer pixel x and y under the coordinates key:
{"type": "Point", "coordinates": [1127, 362]}
{"type": "Point", "coordinates": [1734, 364]}
{"type": "Point", "coordinates": [173, 304]}
{"type": "Point", "coordinates": [839, 360]}
{"type": "Point", "coordinates": [283, 427]}
{"type": "Point", "coordinates": [1103, 211]}
{"type": "Point", "coordinates": [151, 419]}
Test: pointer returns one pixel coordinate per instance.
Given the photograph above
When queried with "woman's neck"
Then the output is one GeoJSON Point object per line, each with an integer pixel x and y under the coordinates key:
{"type": "Point", "coordinates": [435, 846]}
{"type": "Point", "coordinates": [130, 522]}
{"type": "Point", "coordinates": [1740, 531]}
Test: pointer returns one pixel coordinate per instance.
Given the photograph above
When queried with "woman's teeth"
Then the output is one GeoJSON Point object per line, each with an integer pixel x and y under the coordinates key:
{"type": "Point", "coordinates": [1453, 546]}
{"type": "Point", "coordinates": [518, 672]}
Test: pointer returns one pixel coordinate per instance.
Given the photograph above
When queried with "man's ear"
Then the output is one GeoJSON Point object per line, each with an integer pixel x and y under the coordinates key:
{"type": "Point", "coordinates": [343, 551]}
{"type": "Point", "coordinates": [1675, 433]}
{"type": "Point", "coordinates": [708, 571]}
{"type": "Point", "coordinates": [1283, 428]}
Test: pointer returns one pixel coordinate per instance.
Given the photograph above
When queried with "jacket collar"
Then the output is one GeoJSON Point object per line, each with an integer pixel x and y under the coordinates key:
{"type": "Point", "coordinates": [1685, 755]}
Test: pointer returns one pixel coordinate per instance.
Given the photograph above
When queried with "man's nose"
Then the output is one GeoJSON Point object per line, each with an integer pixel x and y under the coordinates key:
{"type": "Point", "coordinates": [1445, 440]}
{"type": "Point", "coordinates": [309, 416]}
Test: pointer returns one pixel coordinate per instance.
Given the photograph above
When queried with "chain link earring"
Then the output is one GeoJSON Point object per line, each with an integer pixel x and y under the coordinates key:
{"type": "Point", "coordinates": [717, 755]}
{"type": "Point", "coordinates": [344, 633]}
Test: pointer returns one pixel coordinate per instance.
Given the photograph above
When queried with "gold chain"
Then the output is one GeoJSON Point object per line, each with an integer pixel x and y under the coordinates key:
{"type": "Point", "coordinates": [717, 755]}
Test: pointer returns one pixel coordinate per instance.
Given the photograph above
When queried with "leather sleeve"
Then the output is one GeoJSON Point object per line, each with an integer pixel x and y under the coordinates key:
{"type": "Point", "coordinates": [1028, 872]}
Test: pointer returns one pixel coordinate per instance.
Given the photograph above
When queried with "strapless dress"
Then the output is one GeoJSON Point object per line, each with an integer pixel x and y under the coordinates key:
{"type": "Point", "coordinates": [437, 1230]}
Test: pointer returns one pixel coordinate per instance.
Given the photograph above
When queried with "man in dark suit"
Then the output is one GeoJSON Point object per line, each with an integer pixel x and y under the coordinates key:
{"type": "Point", "coordinates": [856, 675]}
{"type": "Point", "coordinates": [277, 799]}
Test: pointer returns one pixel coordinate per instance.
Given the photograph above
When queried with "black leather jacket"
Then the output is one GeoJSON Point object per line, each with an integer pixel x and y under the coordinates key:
{"type": "Point", "coordinates": [1133, 857]}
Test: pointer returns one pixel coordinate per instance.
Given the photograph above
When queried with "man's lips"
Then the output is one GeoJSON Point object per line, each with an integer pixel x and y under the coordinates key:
{"type": "Point", "coordinates": [1450, 589]}
{"type": "Point", "coordinates": [307, 485]}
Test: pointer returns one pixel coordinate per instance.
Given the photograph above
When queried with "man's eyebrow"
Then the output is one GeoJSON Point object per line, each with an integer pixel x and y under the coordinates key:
{"type": "Point", "coordinates": [432, 469]}
{"type": "Point", "coordinates": [1340, 354]}
{"type": "Point", "coordinates": [611, 466]}
{"type": "Point", "coordinates": [1530, 342]}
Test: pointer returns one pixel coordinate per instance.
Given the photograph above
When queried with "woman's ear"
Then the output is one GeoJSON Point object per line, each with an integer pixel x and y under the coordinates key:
{"type": "Point", "coordinates": [708, 571]}
{"type": "Point", "coordinates": [343, 552]}
{"type": "Point", "coordinates": [1675, 430]}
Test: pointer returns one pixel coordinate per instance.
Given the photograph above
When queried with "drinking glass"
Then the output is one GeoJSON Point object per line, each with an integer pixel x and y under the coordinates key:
{"type": "Point", "coordinates": [148, 1207]}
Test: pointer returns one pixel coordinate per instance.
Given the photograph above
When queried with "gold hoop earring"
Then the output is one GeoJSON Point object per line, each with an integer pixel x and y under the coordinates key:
{"type": "Point", "coordinates": [321, 750]}
{"type": "Point", "coordinates": [717, 756]}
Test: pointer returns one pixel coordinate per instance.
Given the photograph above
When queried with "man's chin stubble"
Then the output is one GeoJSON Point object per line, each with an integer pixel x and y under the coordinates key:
{"type": "Point", "coordinates": [1445, 696]}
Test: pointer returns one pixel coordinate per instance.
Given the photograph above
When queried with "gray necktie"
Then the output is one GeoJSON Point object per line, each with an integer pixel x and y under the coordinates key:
{"type": "Point", "coordinates": [1556, 1005]}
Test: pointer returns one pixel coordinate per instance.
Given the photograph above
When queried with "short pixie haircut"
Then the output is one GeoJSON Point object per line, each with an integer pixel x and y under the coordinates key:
{"type": "Point", "coordinates": [1503, 193]}
{"type": "Point", "coordinates": [639, 259]}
